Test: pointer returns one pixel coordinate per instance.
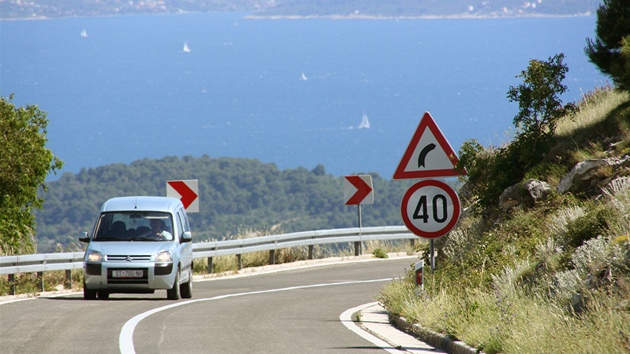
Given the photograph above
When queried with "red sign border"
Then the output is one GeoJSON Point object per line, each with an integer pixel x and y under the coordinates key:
{"type": "Point", "coordinates": [456, 208]}
{"type": "Point", "coordinates": [427, 121]}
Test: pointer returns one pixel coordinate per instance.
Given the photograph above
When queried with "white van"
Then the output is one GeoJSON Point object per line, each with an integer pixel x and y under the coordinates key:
{"type": "Point", "coordinates": [139, 245]}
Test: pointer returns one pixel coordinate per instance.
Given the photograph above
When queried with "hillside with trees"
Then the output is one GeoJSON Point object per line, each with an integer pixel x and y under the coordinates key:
{"type": "Point", "coordinates": [540, 262]}
{"type": "Point", "coordinates": [39, 9]}
{"type": "Point", "coordinates": [236, 195]}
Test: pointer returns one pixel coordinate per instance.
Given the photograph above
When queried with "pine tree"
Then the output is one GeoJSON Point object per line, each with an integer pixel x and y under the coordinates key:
{"type": "Point", "coordinates": [606, 51]}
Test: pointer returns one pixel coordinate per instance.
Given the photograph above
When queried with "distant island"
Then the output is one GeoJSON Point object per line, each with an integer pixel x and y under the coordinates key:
{"type": "Point", "coordinates": [300, 9]}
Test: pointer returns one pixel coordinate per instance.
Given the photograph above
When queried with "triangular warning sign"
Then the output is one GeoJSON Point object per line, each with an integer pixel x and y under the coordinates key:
{"type": "Point", "coordinates": [429, 154]}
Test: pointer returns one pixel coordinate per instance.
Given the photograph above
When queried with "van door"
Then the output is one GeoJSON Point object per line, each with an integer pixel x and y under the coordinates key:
{"type": "Point", "coordinates": [186, 247]}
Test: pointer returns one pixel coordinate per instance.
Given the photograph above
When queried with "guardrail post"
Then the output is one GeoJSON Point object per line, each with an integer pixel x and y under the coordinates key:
{"type": "Point", "coordinates": [11, 284]}
{"type": "Point", "coordinates": [357, 248]}
{"type": "Point", "coordinates": [210, 265]}
{"type": "Point", "coordinates": [240, 264]}
{"type": "Point", "coordinates": [272, 257]}
{"type": "Point", "coordinates": [68, 284]}
{"type": "Point", "coordinates": [310, 251]}
{"type": "Point", "coordinates": [40, 281]}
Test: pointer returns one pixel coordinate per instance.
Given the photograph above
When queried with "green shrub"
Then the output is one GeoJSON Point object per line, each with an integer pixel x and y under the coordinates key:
{"type": "Point", "coordinates": [379, 253]}
{"type": "Point", "coordinates": [594, 223]}
{"type": "Point", "coordinates": [492, 170]}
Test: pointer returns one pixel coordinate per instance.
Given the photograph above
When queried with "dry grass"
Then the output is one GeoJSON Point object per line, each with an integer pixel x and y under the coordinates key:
{"type": "Point", "coordinates": [544, 295]}
{"type": "Point", "coordinates": [595, 106]}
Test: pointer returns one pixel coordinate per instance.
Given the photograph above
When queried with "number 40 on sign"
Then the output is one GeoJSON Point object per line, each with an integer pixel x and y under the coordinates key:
{"type": "Point", "coordinates": [430, 209]}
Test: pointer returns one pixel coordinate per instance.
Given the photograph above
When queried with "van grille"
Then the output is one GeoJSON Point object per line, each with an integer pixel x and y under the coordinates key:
{"type": "Point", "coordinates": [127, 258]}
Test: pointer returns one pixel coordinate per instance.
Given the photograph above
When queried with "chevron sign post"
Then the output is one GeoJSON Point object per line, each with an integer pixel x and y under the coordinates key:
{"type": "Point", "coordinates": [358, 190]}
{"type": "Point", "coordinates": [187, 191]}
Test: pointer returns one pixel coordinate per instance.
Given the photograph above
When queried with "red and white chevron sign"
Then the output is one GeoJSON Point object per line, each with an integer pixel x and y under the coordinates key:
{"type": "Point", "coordinates": [358, 190]}
{"type": "Point", "coordinates": [187, 191]}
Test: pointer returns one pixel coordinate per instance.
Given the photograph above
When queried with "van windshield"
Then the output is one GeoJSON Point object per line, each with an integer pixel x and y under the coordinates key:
{"type": "Point", "coordinates": [134, 226]}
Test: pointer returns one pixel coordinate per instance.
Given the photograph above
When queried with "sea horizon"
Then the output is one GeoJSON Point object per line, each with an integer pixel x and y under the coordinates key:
{"type": "Point", "coordinates": [292, 93]}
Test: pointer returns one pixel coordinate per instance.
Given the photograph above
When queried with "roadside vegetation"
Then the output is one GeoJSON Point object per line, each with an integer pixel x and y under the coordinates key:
{"type": "Point", "coordinates": [24, 164]}
{"type": "Point", "coordinates": [551, 276]}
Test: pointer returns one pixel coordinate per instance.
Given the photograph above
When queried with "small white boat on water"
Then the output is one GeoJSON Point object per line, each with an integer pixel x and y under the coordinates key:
{"type": "Point", "coordinates": [186, 48]}
{"type": "Point", "coordinates": [84, 33]}
{"type": "Point", "coordinates": [365, 123]}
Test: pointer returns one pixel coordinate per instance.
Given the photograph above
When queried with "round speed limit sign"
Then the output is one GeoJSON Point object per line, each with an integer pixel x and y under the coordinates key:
{"type": "Point", "coordinates": [430, 208]}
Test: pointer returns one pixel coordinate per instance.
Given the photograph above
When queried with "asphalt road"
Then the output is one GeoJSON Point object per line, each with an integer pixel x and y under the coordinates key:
{"type": "Point", "coordinates": [293, 311]}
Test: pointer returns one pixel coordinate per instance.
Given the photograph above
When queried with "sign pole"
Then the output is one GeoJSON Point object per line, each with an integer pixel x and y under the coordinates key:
{"type": "Point", "coordinates": [357, 245]}
{"type": "Point", "coordinates": [430, 208]}
{"type": "Point", "coordinates": [358, 190]}
{"type": "Point", "coordinates": [432, 250]}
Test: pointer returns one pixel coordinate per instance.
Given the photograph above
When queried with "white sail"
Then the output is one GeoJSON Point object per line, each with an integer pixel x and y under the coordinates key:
{"type": "Point", "coordinates": [365, 123]}
{"type": "Point", "coordinates": [84, 33]}
{"type": "Point", "coordinates": [186, 48]}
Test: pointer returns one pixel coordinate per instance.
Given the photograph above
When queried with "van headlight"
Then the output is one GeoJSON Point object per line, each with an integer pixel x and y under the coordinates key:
{"type": "Point", "coordinates": [94, 256]}
{"type": "Point", "coordinates": [164, 256]}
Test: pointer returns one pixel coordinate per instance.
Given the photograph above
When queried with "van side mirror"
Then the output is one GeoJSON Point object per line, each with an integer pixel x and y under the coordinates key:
{"type": "Point", "coordinates": [85, 238]}
{"type": "Point", "coordinates": [186, 236]}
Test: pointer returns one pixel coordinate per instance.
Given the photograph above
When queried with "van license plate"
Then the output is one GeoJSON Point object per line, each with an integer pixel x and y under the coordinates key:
{"type": "Point", "coordinates": [127, 273]}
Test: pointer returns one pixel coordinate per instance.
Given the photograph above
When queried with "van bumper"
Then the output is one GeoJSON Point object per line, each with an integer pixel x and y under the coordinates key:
{"type": "Point", "coordinates": [129, 277]}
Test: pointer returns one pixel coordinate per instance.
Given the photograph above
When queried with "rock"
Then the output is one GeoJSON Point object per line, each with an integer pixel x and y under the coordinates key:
{"type": "Point", "coordinates": [524, 193]}
{"type": "Point", "coordinates": [585, 177]}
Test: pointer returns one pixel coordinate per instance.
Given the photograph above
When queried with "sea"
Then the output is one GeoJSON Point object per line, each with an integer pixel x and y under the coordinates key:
{"type": "Point", "coordinates": [296, 93]}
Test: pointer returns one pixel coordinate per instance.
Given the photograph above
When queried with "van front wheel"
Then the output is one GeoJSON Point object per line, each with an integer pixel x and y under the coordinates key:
{"type": "Point", "coordinates": [174, 293]}
{"type": "Point", "coordinates": [88, 294]}
{"type": "Point", "coordinates": [186, 288]}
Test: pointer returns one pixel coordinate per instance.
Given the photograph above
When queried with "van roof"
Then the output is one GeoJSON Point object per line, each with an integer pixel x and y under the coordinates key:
{"type": "Point", "coordinates": [142, 203]}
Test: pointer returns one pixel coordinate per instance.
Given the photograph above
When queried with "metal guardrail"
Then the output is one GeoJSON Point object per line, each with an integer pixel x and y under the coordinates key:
{"type": "Point", "coordinates": [39, 263]}
{"type": "Point", "coordinates": [297, 239]}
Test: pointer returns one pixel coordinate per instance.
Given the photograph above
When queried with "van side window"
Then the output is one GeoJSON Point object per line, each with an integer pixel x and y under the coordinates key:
{"type": "Point", "coordinates": [184, 220]}
{"type": "Point", "coordinates": [180, 225]}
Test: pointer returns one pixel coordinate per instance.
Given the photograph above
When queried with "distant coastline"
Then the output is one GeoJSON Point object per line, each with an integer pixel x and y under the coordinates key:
{"type": "Point", "coordinates": [327, 17]}
{"type": "Point", "coordinates": [299, 10]}
{"type": "Point", "coordinates": [394, 18]}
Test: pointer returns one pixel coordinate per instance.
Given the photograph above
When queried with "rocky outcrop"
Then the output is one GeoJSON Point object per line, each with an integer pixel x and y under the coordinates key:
{"type": "Point", "coordinates": [589, 177]}
{"type": "Point", "coordinates": [524, 193]}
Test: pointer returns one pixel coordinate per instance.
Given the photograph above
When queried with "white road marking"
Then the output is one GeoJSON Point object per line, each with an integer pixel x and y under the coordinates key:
{"type": "Point", "coordinates": [346, 319]}
{"type": "Point", "coordinates": [125, 340]}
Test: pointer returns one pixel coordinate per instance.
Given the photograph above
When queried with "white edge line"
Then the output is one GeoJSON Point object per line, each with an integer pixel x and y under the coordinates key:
{"type": "Point", "coordinates": [125, 340]}
{"type": "Point", "coordinates": [346, 319]}
{"type": "Point", "coordinates": [306, 266]}
{"type": "Point", "coordinates": [40, 296]}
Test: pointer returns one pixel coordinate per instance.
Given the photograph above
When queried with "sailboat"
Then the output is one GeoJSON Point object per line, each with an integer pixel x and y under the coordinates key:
{"type": "Point", "coordinates": [365, 123]}
{"type": "Point", "coordinates": [84, 33]}
{"type": "Point", "coordinates": [186, 48]}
